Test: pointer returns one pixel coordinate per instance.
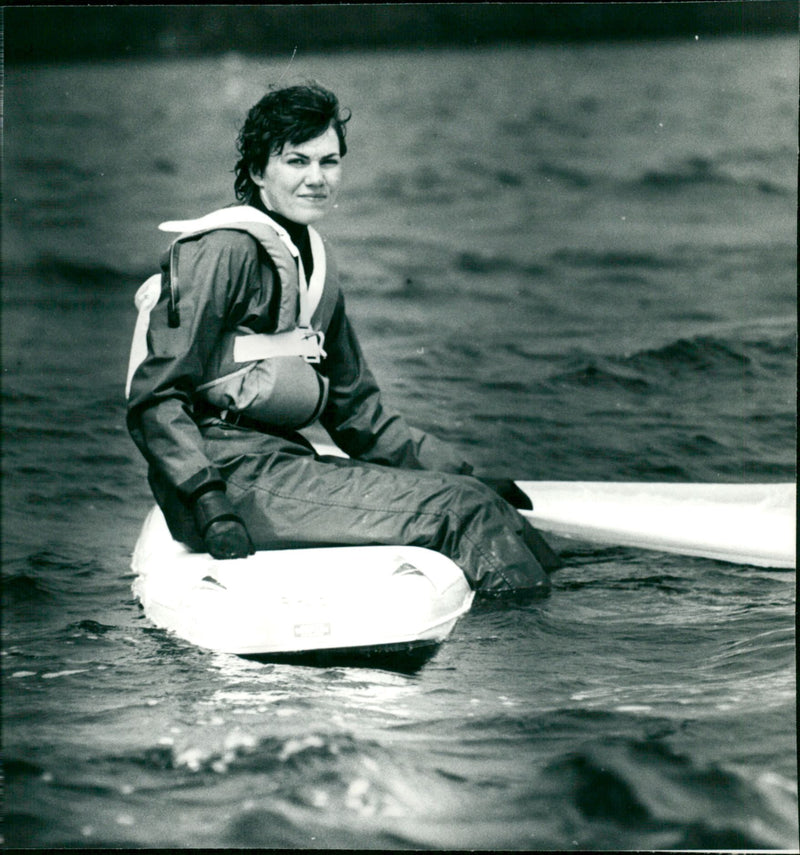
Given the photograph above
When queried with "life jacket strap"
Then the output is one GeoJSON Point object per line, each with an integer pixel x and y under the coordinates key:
{"type": "Point", "coordinates": [146, 298]}
{"type": "Point", "coordinates": [248, 219]}
{"type": "Point", "coordinates": [301, 341]}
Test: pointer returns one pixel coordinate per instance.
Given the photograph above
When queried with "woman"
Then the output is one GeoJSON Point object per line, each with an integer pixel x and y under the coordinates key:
{"type": "Point", "coordinates": [249, 340]}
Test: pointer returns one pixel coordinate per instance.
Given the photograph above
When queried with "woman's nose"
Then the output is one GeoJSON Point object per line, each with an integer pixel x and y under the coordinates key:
{"type": "Point", "coordinates": [314, 174]}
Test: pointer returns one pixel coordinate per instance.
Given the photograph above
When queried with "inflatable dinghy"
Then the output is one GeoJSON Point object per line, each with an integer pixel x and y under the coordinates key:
{"type": "Point", "coordinates": [384, 606]}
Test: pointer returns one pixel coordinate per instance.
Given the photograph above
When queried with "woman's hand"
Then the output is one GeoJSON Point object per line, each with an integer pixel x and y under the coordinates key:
{"type": "Point", "coordinates": [228, 539]}
{"type": "Point", "coordinates": [221, 528]}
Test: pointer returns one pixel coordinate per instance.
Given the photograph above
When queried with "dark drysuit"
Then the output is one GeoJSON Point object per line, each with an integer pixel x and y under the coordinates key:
{"type": "Point", "coordinates": [399, 486]}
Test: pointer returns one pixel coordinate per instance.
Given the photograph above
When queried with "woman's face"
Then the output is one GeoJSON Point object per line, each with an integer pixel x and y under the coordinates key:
{"type": "Point", "coordinates": [302, 181]}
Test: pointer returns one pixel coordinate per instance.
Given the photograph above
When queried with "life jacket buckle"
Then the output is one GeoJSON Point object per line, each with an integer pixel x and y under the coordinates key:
{"type": "Point", "coordinates": [319, 352]}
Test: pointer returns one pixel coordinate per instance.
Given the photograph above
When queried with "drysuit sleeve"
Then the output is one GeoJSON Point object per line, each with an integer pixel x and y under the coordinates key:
{"type": "Point", "coordinates": [355, 416]}
{"type": "Point", "coordinates": [217, 273]}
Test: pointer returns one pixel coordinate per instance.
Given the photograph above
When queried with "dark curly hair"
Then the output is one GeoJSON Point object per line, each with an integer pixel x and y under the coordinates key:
{"type": "Point", "coordinates": [295, 115]}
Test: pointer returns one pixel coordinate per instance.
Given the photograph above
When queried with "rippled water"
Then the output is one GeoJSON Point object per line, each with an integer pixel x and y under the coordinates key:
{"type": "Point", "coordinates": [576, 263]}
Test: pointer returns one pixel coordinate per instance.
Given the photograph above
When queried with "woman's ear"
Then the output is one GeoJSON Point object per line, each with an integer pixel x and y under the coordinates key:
{"type": "Point", "coordinates": [257, 177]}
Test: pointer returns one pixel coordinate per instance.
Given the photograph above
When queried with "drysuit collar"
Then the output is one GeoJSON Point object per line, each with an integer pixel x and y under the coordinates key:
{"type": "Point", "coordinates": [297, 231]}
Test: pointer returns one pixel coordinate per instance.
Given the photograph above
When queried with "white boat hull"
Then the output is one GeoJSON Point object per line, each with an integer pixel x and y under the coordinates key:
{"type": "Point", "coordinates": [364, 600]}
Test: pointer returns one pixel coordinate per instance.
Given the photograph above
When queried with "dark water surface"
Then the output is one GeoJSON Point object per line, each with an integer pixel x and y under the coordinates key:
{"type": "Point", "coordinates": [576, 263]}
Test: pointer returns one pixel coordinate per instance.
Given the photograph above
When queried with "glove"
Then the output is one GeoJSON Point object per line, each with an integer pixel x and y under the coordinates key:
{"type": "Point", "coordinates": [221, 528]}
{"type": "Point", "coordinates": [509, 491]}
{"type": "Point", "coordinates": [228, 539]}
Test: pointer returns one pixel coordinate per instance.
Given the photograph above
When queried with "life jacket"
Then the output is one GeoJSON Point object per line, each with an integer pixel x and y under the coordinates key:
{"type": "Point", "coordinates": [269, 377]}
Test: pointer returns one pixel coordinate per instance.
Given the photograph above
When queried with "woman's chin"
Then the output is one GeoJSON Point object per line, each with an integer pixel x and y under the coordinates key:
{"type": "Point", "coordinates": [307, 213]}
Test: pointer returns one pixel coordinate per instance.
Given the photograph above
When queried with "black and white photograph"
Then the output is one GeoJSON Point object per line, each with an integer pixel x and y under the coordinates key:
{"type": "Point", "coordinates": [399, 426]}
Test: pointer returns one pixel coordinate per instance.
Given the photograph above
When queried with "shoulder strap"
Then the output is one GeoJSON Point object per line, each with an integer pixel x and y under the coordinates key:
{"type": "Point", "coordinates": [226, 218]}
{"type": "Point", "coordinates": [146, 297]}
{"type": "Point", "coordinates": [272, 236]}
{"type": "Point", "coordinates": [311, 292]}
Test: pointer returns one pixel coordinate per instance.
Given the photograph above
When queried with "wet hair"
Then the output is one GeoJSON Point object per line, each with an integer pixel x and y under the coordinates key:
{"type": "Point", "coordinates": [292, 115]}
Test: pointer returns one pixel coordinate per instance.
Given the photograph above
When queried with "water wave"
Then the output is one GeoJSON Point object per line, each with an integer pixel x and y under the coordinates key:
{"type": "Point", "coordinates": [614, 259]}
{"type": "Point", "coordinates": [597, 372]}
{"type": "Point", "coordinates": [476, 262]}
{"type": "Point", "coordinates": [24, 589]}
{"type": "Point", "coordinates": [645, 789]}
{"type": "Point", "coordinates": [705, 173]}
{"type": "Point", "coordinates": [684, 359]}
{"type": "Point", "coordinates": [89, 275]}
{"type": "Point", "coordinates": [700, 354]}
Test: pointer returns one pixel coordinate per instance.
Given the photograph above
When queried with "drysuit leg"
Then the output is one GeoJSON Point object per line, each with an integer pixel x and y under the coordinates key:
{"type": "Point", "coordinates": [289, 497]}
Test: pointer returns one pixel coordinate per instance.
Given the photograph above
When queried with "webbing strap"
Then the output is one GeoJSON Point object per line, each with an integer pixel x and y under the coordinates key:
{"type": "Point", "coordinates": [146, 297]}
{"type": "Point", "coordinates": [226, 218]}
{"type": "Point", "coordinates": [240, 217]}
{"type": "Point", "coordinates": [301, 341]}
{"type": "Point", "coordinates": [311, 292]}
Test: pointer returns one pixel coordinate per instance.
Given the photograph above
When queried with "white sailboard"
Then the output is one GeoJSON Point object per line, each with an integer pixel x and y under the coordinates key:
{"type": "Point", "coordinates": [741, 523]}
